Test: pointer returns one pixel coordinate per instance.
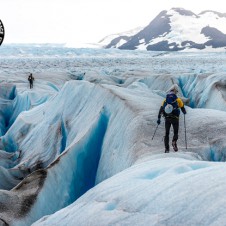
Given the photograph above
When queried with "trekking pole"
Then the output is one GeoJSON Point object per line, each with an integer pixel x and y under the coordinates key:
{"type": "Point", "coordinates": [155, 131]}
{"type": "Point", "coordinates": [185, 133]}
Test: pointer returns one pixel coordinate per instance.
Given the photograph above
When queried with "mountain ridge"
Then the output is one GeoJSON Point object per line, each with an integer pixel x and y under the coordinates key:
{"type": "Point", "coordinates": [175, 30]}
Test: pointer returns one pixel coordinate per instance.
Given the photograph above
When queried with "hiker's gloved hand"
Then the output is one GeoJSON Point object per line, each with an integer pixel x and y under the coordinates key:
{"type": "Point", "coordinates": [158, 121]}
{"type": "Point", "coordinates": [183, 110]}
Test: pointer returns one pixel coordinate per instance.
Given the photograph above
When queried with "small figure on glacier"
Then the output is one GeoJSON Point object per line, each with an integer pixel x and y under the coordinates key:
{"type": "Point", "coordinates": [31, 80]}
{"type": "Point", "coordinates": [170, 110]}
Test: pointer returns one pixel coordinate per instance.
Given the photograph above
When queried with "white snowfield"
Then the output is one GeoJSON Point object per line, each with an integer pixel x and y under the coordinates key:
{"type": "Point", "coordinates": [77, 149]}
{"type": "Point", "coordinates": [192, 26]}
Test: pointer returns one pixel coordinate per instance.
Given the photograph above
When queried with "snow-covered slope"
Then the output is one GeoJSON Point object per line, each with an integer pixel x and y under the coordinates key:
{"type": "Point", "coordinates": [116, 40]}
{"type": "Point", "coordinates": [179, 29]}
{"type": "Point", "coordinates": [78, 149]}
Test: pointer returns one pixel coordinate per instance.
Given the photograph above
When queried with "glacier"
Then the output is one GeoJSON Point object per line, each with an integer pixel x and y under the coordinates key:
{"type": "Point", "coordinates": [77, 149]}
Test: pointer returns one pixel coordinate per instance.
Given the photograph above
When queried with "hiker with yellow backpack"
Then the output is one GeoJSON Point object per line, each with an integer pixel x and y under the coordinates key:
{"type": "Point", "coordinates": [170, 110]}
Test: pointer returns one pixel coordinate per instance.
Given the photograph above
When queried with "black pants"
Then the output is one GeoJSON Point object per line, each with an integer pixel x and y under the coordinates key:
{"type": "Point", "coordinates": [168, 122]}
{"type": "Point", "coordinates": [31, 85]}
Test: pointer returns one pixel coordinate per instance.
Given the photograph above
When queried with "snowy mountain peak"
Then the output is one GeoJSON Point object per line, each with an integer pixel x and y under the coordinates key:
{"type": "Point", "coordinates": [213, 12]}
{"type": "Point", "coordinates": [115, 40]}
{"type": "Point", "coordinates": [183, 12]}
{"type": "Point", "coordinates": [177, 29]}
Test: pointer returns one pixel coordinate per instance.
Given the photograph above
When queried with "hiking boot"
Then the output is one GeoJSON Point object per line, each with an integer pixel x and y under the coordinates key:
{"type": "Point", "coordinates": [174, 144]}
{"type": "Point", "coordinates": [166, 150]}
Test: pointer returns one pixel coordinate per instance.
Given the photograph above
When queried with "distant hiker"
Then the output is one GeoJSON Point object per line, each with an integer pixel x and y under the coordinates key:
{"type": "Point", "coordinates": [170, 109]}
{"type": "Point", "coordinates": [31, 79]}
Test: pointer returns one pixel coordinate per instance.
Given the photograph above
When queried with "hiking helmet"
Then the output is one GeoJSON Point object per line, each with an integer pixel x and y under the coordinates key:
{"type": "Point", "coordinates": [168, 108]}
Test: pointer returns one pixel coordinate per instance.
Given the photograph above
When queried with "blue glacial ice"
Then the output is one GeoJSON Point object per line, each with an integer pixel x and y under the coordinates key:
{"type": "Point", "coordinates": [77, 149]}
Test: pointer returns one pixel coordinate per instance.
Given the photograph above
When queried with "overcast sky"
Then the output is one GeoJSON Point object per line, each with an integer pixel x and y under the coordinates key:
{"type": "Point", "coordinates": [84, 21]}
